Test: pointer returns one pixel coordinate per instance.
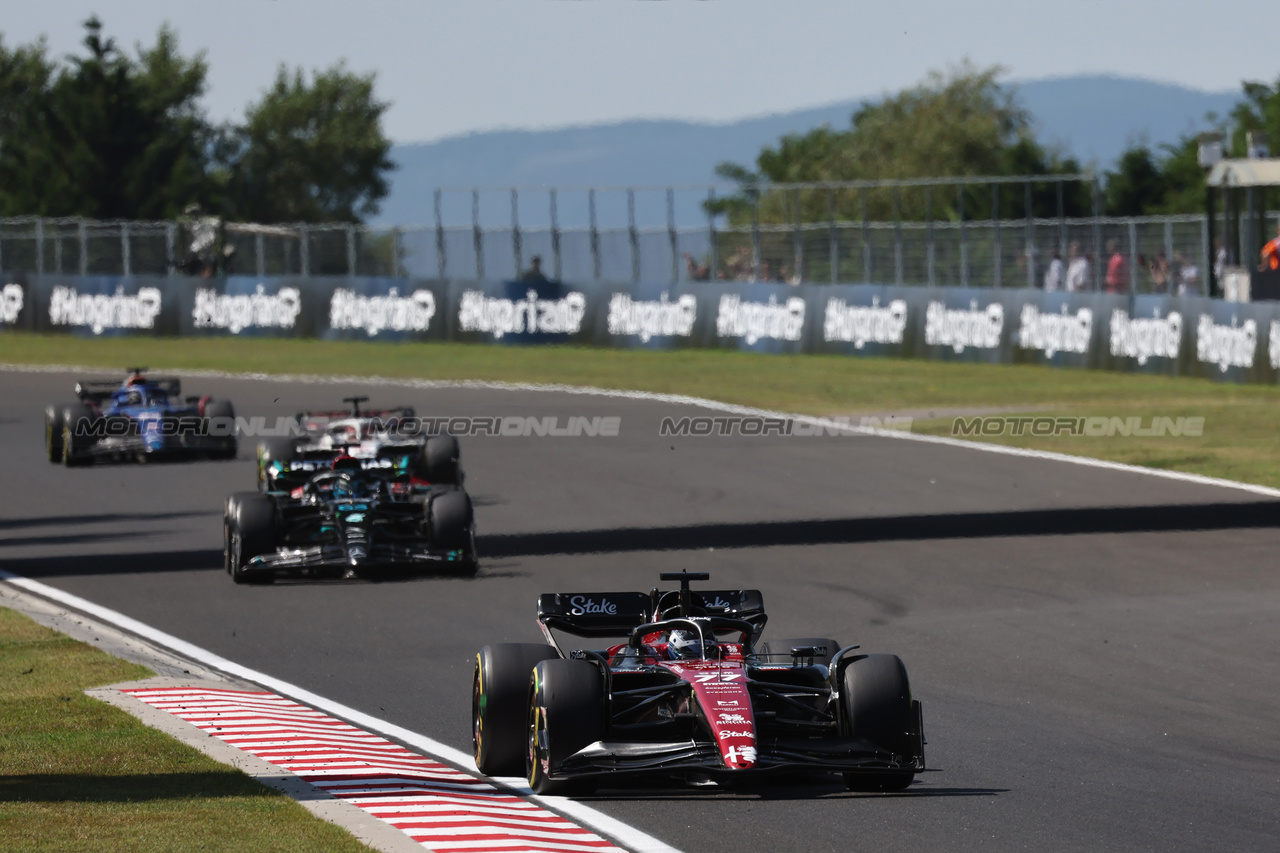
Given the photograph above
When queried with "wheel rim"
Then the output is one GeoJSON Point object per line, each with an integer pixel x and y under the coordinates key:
{"type": "Point", "coordinates": [66, 443]}
{"type": "Point", "coordinates": [537, 761]}
{"type": "Point", "coordinates": [477, 725]}
{"type": "Point", "coordinates": [48, 438]}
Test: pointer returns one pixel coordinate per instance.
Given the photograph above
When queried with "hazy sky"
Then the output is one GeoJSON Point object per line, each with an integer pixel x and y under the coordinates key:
{"type": "Point", "coordinates": [453, 67]}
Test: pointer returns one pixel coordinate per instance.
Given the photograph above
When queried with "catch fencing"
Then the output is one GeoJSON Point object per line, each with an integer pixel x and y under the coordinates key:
{"type": "Point", "coordinates": [1168, 254]}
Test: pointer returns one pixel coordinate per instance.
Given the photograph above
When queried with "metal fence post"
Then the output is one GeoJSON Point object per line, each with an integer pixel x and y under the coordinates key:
{"type": "Point", "coordinates": [929, 239]}
{"type": "Point", "coordinates": [797, 239]}
{"type": "Point", "coordinates": [516, 248]}
{"type": "Point", "coordinates": [897, 235]}
{"type": "Point", "coordinates": [755, 236]}
{"type": "Point", "coordinates": [714, 265]}
{"type": "Point", "coordinates": [125, 249]}
{"type": "Point", "coordinates": [396, 235]}
{"type": "Point", "coordinates": [866, 239]}
{"type": "Point", "coordinates": [997, 250]}
{"type": "Point", "coordinates": [1062, 224]}
{"type": "Point", "coordinates": [39, 246]}
{"type": "Point", "coordinates": [1133, 256]}
{"type": "Point", "coordinates": [57, 249]}
{"type": "Point", "coordinates": [1168, 255]}
{"type": "Point", "coordinates": [83, 233]}
{"type": "Point", "coordinates": [351, 250]}
{"type": "Point", "coordinates": [555, 236]}
{"type": "Point", "coordinates": [633, 235]}
{"type": "Point", "coordinates": [1029, 237]}
{"type": "Point", "coordinates": [595, 233]}
{"type": "Point", "coordinates": [671, 233]}
{"type": "Point", "coordinates": [260, 253]}
{"type": "Point", "coordinates": [477, 237]}
{"type": "Point", "coordinates": [833, 237]}
{"type": "Point", "coordinates": [1097, 234]}
{"type": "Point", "coordinates": [304, 250]}
{"type": "Point", "coordinates": [170, 247]}
{"type": "Point", "coordinates": [1206, 250]}
{"type": "Point", "coordinates": [964, 238]}
{"type": "Point", "coordinates": [441, 260]}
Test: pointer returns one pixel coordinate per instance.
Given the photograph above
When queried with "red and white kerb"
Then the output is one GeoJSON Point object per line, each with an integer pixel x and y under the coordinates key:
{"type": "Point", "coordinates": [444, 809]}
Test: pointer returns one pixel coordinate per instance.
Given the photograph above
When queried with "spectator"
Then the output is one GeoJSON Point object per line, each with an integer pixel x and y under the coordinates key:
{"type": "Point", "coordinates": [766, 270]}
{"type": "Point", "coordinates": [1053, 275]}
{"type": "Point", "coordinates": [697, 271]}
{"type": "Point", "coordinates": [1188, 276]}
{"type": "Point", "coordinates": [1160, 272]}
{"type": "Point", "coordinates": [1117, 269]}
{"type": "Point", "coordinates": [1079, 270]}
{"type": "Point", "coordinates": [534, 273]}
{"type": "Point", "coordinates": [1220, 259]}
{"type": "Point", "coordinates": [1271, 253]}
{"type": "Point", "coordinates": [740, 266]}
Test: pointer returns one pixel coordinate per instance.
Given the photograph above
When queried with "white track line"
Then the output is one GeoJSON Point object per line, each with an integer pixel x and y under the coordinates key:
{"type": "Point", "coordinates": [684, 400]}
{"type": "Point", "coordinates": [626, 836]}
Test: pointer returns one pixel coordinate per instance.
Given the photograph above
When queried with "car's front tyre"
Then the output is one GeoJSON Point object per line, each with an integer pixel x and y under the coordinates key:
{"type": "Point", "coordinates": [876, 696]}
{"type": "Point", "coordinates": [249, 530]}
{"type": "Point", "coordinates": [566, 713]}
{"type": "Point", "coordinates": [499, 701]}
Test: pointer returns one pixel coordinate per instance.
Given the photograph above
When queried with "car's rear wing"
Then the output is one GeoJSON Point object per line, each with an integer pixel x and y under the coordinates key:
{"type": "Point", "coordinates": [98, 390]}
{"type": "Point", "coordinates": [616, 614]}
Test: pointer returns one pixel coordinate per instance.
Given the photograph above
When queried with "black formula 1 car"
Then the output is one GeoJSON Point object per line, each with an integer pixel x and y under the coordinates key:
{"type": "Point", "coordinates": [140, 418]}
{"type": "Point", "coordinates": [353, 516]}
{"type": "Point", "coordinates": [691, 692]}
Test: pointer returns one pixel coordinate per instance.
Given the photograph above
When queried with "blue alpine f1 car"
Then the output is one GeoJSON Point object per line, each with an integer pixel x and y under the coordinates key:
{"type": "Point", "coordinates": [140, 418]}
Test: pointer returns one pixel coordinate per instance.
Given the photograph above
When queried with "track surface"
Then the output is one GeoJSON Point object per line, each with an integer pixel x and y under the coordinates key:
{"type": "Point", "coordinates": [1095, 650]}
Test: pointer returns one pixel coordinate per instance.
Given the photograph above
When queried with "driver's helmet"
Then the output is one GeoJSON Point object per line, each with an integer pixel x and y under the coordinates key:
{"type": "Point", "coordinates": [684, 644]}
{"type": "Point", "coordinates": [355, 488]}
{"type": "Point", "coordinates": [133, 397]}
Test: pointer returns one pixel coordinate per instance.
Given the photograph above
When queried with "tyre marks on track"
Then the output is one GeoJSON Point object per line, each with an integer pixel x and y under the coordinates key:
{"type": "Point", "coordinates": [444, 809]}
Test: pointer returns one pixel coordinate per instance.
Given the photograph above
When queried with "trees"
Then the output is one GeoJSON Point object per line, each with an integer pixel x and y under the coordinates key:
{"type": "Point", "coordinates": [111, 135]}
{"type": "Point", "coordinates": [309, 152]}
{"type": "Point", "coordinates": [962, 123]}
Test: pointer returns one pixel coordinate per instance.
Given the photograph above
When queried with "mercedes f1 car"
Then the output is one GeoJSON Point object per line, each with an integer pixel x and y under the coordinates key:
{"type": "Point", "coordinates": [691, 692]}
{"type": "Point", "coordinates": [143, 418]}
{"type": "Point", "coordinates": [352, 500]}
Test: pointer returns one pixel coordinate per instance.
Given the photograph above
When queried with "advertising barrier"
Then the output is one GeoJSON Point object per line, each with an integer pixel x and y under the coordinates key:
{"type": "Point", "coordinates": [1166, 335]}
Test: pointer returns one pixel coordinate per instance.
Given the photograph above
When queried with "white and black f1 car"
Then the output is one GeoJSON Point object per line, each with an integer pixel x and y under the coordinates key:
{"type": "Point", "coordinates": [691, 692]}
{"type": "Point", "coordinates": [142, 417]}
{"type": "Point", "coordinates": [380, 438]}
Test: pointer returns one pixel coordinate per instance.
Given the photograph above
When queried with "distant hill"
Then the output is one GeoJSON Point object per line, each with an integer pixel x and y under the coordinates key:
{"type": "Point", "coordinates": [1093, 118]}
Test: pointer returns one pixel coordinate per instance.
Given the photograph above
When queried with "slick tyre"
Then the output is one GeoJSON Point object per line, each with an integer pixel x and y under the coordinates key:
{"type": "Point", "coordinates": [217, 414]}
{"type": "Point", "coordinates": [439, 462]}
{"type": "Point", "coordinates": [249, 530]}
{"type": "Point", "coordinates": [824, 647]}
{"type": "Point", "coordinates": [75, 443]}
{"type": "Point", "coordinates": [451, 525]}
{"type": "Point", "coordinates": [271, 450]}
{"type": "Point", "coordinates": [53, 421]}
{"type": "Point", "coordinates": [566, 713]}
{"type": "Point", "coordinates": [499, 702]}
{"type": "Point", "coordinates": [876, 699]}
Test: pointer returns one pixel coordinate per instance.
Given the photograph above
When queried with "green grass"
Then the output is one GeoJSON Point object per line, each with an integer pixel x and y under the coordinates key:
{"type": "Point", "coordinates": [1241, 421]}
{"type": "Point", "coordinates": [79, 775]}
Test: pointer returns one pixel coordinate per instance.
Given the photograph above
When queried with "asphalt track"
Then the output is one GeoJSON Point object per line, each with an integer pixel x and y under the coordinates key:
{"type": "Point", "coordinates": [1096, 650]}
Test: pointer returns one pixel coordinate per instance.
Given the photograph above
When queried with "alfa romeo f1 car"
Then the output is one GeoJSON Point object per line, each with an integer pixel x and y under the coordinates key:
{"type": "Point", "coordinates": [690, 692]}
{"type": "Point", "coordinates": [352, 502]}
{"type": "Point", "coordinates": [142, 417]}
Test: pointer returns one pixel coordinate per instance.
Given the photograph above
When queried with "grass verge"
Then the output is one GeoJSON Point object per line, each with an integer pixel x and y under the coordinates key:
{"type": "Point", "coordinates": [78, 775]}
{"type": "Point", "coordinates": [1241, 421]}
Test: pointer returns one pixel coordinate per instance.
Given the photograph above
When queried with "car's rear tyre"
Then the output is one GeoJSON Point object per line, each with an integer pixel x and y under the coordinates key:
{"type": "Point", "coordinates": [824, 647]}
{"type": "Point", "coordinates": [439, 462]}
{"type": "Point", "coordinates": [225, 413]}
{"type": "Point", "coordinates": [75, 443]}
{"type": "Point", "coordinates": [53, 432]}
{"type": "Point", "coordinates": [566, 713]}
{"type": "Point", "coordinates": [499, 703]}
{"type": "Point", "coordinates": [876, 696]}
{"type": "Point", "coordinates": [270, 450]}
{"type": "Point", "coordinates": [249, 530]}
{"type": "Point", "coordinates": [451, 526]}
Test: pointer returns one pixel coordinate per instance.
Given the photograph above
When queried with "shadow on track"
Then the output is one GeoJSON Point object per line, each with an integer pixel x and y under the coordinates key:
{"type": "Point", "coordinates": [101, 518]}
{"type": "Point", "coordinates": [1043, 522]}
